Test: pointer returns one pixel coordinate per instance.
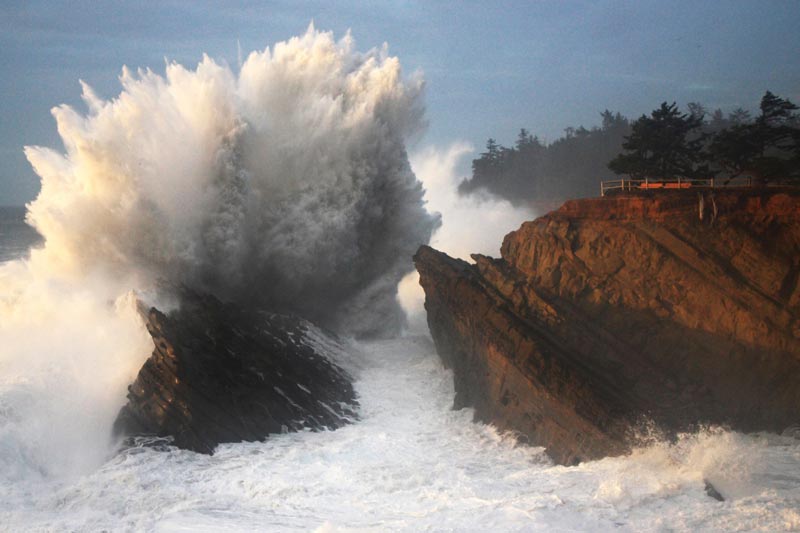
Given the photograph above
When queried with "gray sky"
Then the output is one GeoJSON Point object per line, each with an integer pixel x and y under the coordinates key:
{"type": "Point", "coordinates": [491, 67]}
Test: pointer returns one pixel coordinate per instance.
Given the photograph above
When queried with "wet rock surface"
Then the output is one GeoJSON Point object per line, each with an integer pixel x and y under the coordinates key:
{"type": "Point", "coordinates": [219, 373]}
{"type": "Point", "coordinates": [614, 314]}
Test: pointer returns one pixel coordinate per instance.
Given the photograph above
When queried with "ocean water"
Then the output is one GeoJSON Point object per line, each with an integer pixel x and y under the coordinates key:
{"type": "Point", "coordinates": [16, 237]}
{"type": "Point", "coordinates": [410, 463]}
{"type": "Point", "coordinates": [413, 464]}
{"type": "Point", "coordinates": [295, 165]}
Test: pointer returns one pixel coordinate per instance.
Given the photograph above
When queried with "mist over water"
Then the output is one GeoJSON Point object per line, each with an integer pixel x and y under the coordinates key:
{"type": "Point", "coordinates": [470, 224]}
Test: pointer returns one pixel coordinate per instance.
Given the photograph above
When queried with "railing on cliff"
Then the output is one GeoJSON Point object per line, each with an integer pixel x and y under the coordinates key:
{"type": "Point", "coordinates": [628, 184]}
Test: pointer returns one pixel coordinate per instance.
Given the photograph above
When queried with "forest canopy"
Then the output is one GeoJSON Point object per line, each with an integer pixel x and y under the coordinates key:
{"type": "Point", "coordinates": [668, 143]}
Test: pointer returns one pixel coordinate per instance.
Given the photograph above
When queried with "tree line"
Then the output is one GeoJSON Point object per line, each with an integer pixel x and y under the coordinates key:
{"type": "Point", "coordinates": [666, 144]}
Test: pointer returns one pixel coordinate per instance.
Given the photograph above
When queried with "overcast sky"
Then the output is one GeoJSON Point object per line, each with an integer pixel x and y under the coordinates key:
{"type": "Point", "coordinates": [491, 67]}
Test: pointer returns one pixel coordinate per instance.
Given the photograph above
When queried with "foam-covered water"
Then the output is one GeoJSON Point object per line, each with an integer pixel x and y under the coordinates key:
{"type": "Point", "coordinates": [413, 464]}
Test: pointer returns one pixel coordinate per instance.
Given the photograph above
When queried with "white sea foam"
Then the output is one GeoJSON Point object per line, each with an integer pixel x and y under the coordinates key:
{"type": "Point", "coordinates": [67, 355]}
{"type": "Point", "coordinates": [413, 464]}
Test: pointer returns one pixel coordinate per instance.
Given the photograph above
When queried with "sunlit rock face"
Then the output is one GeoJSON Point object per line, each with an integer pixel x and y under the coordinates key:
{"type": "Point", "coordinates": [610, 315]}
{"type": "Point", "coordinates": [220, 373]}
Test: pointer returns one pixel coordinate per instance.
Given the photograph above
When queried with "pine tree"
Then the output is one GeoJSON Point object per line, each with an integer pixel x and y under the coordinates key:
{"type": "Point", "coordinates": [767, 149]}
{"type": "Point", "coordinates": [524, 139]}
{"type": "Point", "coordinates": [667, 144]}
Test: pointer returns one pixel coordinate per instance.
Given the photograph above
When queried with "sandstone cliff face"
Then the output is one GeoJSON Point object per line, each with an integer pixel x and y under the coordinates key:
{"type": "Point", "coordinates": [222, 374]}
{"type": "Point", "coordinates": [612, 313]}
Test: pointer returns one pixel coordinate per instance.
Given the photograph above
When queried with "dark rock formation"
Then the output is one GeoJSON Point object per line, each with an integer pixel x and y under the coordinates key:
{"type": "Point", "coordinates": [613, 313]}
{"type": "Point", "coordinates": [219, 373]}
{"type": "Point", "coordinates": [712, 491]}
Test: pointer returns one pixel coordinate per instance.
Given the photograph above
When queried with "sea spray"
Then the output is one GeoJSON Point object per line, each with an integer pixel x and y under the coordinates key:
{"type": "Point", "coordinates": [285, 185]}
{"type": "Point", "coordinates": [470, 224]}
{"type": "Point", "coordinates": [67, 355]}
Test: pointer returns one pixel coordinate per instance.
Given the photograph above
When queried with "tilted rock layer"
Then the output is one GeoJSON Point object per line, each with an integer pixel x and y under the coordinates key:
{"type": "Point", "coordinates": [219, 373]}
{"type": "Point", "coordinates": [613, 313]}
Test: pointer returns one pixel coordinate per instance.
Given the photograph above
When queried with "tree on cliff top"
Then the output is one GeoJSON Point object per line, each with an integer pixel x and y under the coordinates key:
{"type": "Point", "coordinates": [667, 144]}
{"type": "Point", "coordinates": [533, 169]}
{"type": "Point", "coordinates": [767, 149]}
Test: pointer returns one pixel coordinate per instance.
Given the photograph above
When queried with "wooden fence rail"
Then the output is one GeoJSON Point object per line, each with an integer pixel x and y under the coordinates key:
{"type": "Point", "coordinates": [677, 183]}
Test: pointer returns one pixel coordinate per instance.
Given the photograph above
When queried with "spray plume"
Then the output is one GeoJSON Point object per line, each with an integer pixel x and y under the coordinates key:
{"type": "Point", "coordinates": [287, 186]}
{"type": "Point", "coordinates": [470, 224]}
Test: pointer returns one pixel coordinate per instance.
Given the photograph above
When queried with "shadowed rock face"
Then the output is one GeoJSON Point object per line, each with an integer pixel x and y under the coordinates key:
{"type": "Point", "coordinates": [612, 313]}
{"type": "Point", "coordinates": [222, 374]}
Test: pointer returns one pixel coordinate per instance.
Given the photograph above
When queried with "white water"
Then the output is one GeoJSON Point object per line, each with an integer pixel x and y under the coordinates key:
{"type": "Point", "coordinates": [125, 206]}
{"type": "Point", "coordinates": [413, 464]}
{"type": "Point", "coordinates": [284, 184]}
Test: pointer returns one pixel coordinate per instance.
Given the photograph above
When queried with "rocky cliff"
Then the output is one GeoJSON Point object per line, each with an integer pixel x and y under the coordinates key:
{"type": "Point", "coordinates": [219, 373]}
{"type": "Point", "coordinates": [608, 315]}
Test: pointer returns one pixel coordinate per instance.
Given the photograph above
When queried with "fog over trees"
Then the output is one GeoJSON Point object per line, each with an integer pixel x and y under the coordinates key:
{"type": "Point", "coordinates": [571, 166]}
{"type": "Point", "coordinates": [669, 143]}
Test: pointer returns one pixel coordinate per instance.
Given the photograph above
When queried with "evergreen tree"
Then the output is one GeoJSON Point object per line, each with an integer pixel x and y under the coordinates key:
{"type": "Point", "coordinates": [568, 167]}
{"type": "Point", "coordinates": [697, 110]}
{"type": "Point", "coordinates": [718, 121]}
{"type": "Point", "coordinates": [767, 149]}
{"type": "Point", "coordinates": [492, 152]}
{"type": "Point", "coordinates": [739, 116]}
{"type": "Point", "coordinates": [665, 145]}
{"type": "Point", "coordinates": [524, 139]}
{"type": "Point", "coordinates": [484, 166]}
{"type": "Point", "coordinates": [614, 121]}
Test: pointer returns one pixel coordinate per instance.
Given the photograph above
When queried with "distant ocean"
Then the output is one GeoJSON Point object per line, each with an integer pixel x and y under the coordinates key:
{"type": "Point", "coordinates": [16, 237]}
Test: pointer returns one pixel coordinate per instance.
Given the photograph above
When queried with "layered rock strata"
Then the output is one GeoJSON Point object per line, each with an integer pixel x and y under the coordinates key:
{"type": "Point", "coordinates": [219, 373]}
{"type": "Point", "coordinates": [610, 315]}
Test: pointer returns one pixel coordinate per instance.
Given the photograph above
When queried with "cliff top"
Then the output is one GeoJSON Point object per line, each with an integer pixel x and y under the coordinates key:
{"type": "Point", "coordinates": [783, 202]}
